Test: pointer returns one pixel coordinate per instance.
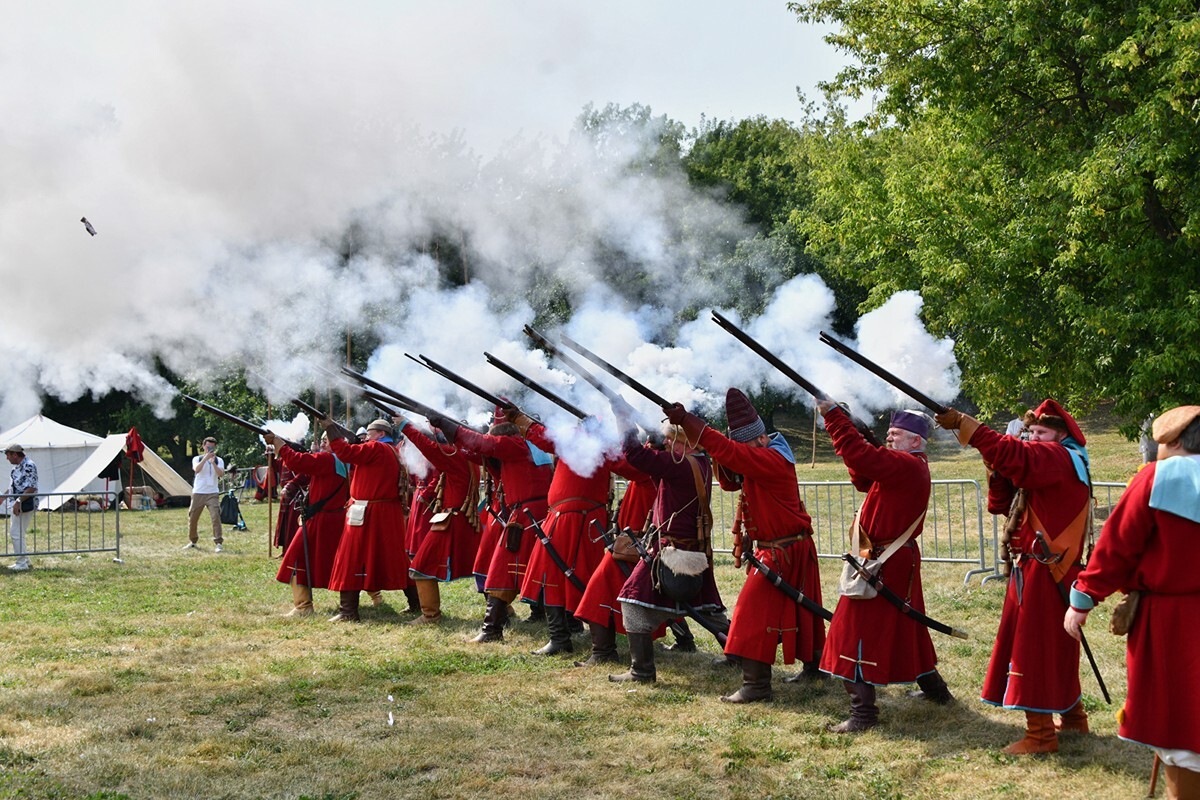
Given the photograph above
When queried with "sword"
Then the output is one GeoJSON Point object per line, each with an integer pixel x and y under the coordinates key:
{"type": "Point", "coordinates": [721, 635]}
{"type": "Point", "coordinates": [905, 608]}
{"type": "Point", "coordinates": [575, 580]}
{"type": "Point", "coordinates": [776, 580]}
{"type": "Point", "coordinates": [1049, 555]}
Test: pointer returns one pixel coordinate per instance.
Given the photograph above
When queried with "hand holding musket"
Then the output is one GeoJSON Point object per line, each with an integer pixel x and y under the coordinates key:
{"type": "Point", "coordinates": [334, 430]}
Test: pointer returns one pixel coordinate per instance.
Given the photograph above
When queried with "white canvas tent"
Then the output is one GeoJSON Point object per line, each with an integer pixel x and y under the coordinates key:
{"type": "Point", "coordinates": [68, 460]}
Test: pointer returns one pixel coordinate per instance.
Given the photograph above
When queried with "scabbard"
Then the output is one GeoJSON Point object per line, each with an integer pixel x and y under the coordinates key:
{"type": "Point", "coordinates": [904, 607]}
{"type": "Point", "coordinates": [569, 572]}
{"type": "Point", "coordinates": [797, 596]}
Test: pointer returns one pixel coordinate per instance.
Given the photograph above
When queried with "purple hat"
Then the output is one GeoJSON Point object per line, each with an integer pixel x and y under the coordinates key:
{"type": "Point", "coordinates": [911, 421]}
{"type": "Point", "coordinates": [745, 424]}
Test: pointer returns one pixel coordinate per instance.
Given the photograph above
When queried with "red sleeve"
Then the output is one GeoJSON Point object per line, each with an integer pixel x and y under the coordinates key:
{"type": "Point", "coordinates": [537, 434]}
{"type": "Point", "coordinates": [505, 448]}
{"type": "Point", "coordinates": [443, 461]}
{"type": "Point", "coordinates": [1122, 542]}
{"type": "Point", "coordinates": [358, 454]}
{"type": "Point", "coordinates": [866, 462]}
{"type": "Point", "coordinates": [752, 462]}
{"type": "Point", "coordinates": [1029, 465]}
{"type": "Point", "coordinates": [306, 463]}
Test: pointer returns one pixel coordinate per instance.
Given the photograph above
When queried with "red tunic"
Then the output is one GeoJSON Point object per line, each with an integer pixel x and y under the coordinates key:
{"type": "Point", "coordinates": [870, 640]}
{"type": "Point", "coordinates": [288, 521]}
{"type": "Point", "coordinates": [309, 555]}
{"type": "Point", "coordinates": [450, 554]}
{"type": "Point", "coordinates": [419, 514]}
{"type": "Point", "coordinates": [525, 485]}
{"type": "Point", "coordinates": [1034, 664]}
{"type": "Point", "coordinates": [1155, 552]}
{"type": "Point", "coordinates": [489, 517]}
{"type": "Point", "coordinates": [574, 501]}
{"type": "Point", "coordinates": [371, 556]}
{"type": "Point", "coordinates": [764, 617]}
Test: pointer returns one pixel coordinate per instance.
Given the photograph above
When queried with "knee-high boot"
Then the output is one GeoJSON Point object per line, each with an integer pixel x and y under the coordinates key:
{"type": "Point", "coordinates": [430, 596]}
{"type": "Point", "coordinates": [1076, 719]}
{"type": "Point", "coordinates": [864, 714]}
{"type": "Point", "coordinates": [685, 641]}
{"type": "Point", "coordinates": [809, 671]}
{"type": "Point", "coordinates": [347, 607]}
{"type": "Point", "coordinates": [641, 660]}
{"type": "Point", "coordinates": [934, 689]}
{"type": "Point", "coordinates": [301, 600]}
{"type": "Point", "coordinates": [1039, 736]}
{"type": "Point", "coordinates": [1182, 784]}
{"type": "Point", "coordinates": [560, 634]}
{"type": "Point", "coordinates": [756, 683]}
{"type": "Point", "coordinates": [414, 600]}
{"type": "Point", "coordinates": [604, 646]}
{"type": "Point", "coordinates": [494, 617]}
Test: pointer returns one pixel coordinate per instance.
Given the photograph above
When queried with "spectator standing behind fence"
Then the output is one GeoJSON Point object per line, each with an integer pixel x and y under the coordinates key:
{"type": "Point", "coordinates": [24, 482]}
{"type": "Point", "coordinates": [206, 493]}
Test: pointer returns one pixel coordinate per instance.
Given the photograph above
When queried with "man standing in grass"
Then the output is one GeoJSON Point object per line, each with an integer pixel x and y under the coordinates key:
{"type": "Point", "coordinates": [206, 493]}
{"type": "Point", "coordinates": [23, 504]}
{"type": "Point", "coordinates": [1035, 664]}
{"type": "Point", "coordinates": [871, 642]}
{"type": "Point", "coordinates": [1149, 550]}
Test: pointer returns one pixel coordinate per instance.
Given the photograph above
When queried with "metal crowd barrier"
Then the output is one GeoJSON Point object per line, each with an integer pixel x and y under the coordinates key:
{"type": "Point", "coordinates": [82, 523]}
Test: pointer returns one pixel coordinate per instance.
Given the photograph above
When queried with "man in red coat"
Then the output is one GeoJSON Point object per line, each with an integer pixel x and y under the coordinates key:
{"type": "Point", "coordinates": [1151, 545]}
{"type": "Point", "coordinates": [525, 473]}
{"type": "Point", "coordinates": [371, 556]}
{"type": "Point", "coordinates": [447, 537]}
{"type": "Point", "coordinates": [321, 508]}
{"type": "Point", "coordinates": [871, 643]}
{"type": "Point", "coordinates": [1035, 664]}
{"type": "Point", "coordinates": [780, 530]}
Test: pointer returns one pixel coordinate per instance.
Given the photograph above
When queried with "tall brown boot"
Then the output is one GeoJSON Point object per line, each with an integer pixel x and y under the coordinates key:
{"type": "Point", "coordinates": [810, 671]}
{"type": "Point", "coordinates": [1076, 719]}
{"type": "Point", "coordinates": [494, 618]}
{"type": "Point", "coordinates": [933, 688]}
{"type": "Point", "coordinates": [347, 607]}
{"type": "Point", "coordinates": [1182, 784]}
{"type": "Point", "coordinates": [604, 646]}
{"type": "Point", "coordinates": [756, 683]}
{"type": "Point", "coordinates": [641, 660]}
{"type": "Point", "coordinates": [560, 634]}
{"type": "Point", "coordinates": [864, 714]}
{"type": "Point", "coordinates": [1039, 736]}
{"type": "Point", "coordinates": [301, 600]}
{"type": "Point", "coordinates": [430, 596]}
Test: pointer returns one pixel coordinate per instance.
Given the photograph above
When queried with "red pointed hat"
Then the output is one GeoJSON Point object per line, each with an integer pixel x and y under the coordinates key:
{"type": "Point", "coordinates": [1051, 415]}
{"type": "Point", "coordinates": [744, 422]}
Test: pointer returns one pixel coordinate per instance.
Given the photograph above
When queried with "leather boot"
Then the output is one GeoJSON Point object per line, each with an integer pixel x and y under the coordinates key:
{"type": "Point", "coordinates": [727, 661]}
{"type": "Point", "coordinates": [641, 660]}
{"type": "Point", "coordinates": [573, 625]}
{"type": "Point", "coordinates": [604, 646]}
{"type": "Point", "coordinates": [376, 597]}
{"type": "Point", "coordinates": [756, 683]}
{"type": "Point", "coordinates": [864, 714]}
{"type": "Point", "coordinates": [537, 612]}
{"type": "Point", "coordinates": [430, 597]}
{"type": "Point", "coordinates": [560, 634]}
{"type": "Point", "coordinates": [1182, 784]}
{"type": "Point", "coordinates": [347, 607]}
{"type": "Point", "coordinates": [1074, 720]}
{"type": "Point", "coordinates": [685, 642]}
{"type": "Point", "coordinates": [810, 671]}
{"type": "Point", "coordinates": [301, 600]}
{"type": "Point", "coordinates": [414, 600]}
{"type": "Point", "coordinates": [493, 621]}
{"type": "Point", "coordinates": [934, 689]}
{"type": "Point", "coordinates": [1039, 736]}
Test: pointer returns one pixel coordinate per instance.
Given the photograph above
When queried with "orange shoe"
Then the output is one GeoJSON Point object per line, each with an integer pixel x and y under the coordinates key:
{"type": "Point", "coordinates": [1074, 720]}
{"type": "Point", "coordinates": [1039, 736]}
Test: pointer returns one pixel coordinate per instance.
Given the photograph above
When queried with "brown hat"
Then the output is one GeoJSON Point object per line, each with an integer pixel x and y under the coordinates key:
{"type": "Point", "coordinates": [383, 426]}
{"type": "Point", "coordinates": [15, 448]}
{"type": "Point", "coordinates": [745, 424]}
{"type": "Point", "coordinates": [1170, 426]}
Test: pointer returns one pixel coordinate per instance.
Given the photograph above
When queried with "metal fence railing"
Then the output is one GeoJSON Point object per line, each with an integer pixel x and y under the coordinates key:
{"type": "Point", "coordinates": [80, 523]}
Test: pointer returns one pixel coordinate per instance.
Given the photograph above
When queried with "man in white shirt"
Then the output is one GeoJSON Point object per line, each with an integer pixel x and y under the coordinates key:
{"type": "Point", "coordinates": [23, 503]}
{"type": "Point", "coordinates": [206, 493]}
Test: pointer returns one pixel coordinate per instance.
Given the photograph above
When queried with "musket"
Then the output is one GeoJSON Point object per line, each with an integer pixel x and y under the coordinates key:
{"type": "Point", "coordinates": [616, 373]}
{"type": "Point", "coordinates": [903, 605]}
{"type": "Point", "coordinates": [406, 402]}
{"type": "Point", "coordinates": [455, 378]}
{"type": "Point", "coordinates": [1040, 539]}
{"type": "Point", "coordinates": [516, 375]}
{"type": "Point", "coordinates": [888, 377]}
{"type": "Point", "coordinates": [777, 580]}
{"type": "Point", "coordinates": [338, 429]}
{"type": "Point", "coordinates": [236, 420]}
{"type": "Point", "coordinates": [721, 635]}
{"type": "Point", "coordinates": [551, 349]}
{"type": "Point", "coordinates": [548, 545]}
{"type": "Point", "coordinates": [788, 372]}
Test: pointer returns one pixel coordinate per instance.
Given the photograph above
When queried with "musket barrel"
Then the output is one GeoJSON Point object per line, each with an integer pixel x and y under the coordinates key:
{"type": "Point", "coordinates": [459, 380]}
{"type": "Point", "coordinates": [616, 373]}
{"type": "Point", "coordinates": [884, 374]}
{"type": "Point", "coordinates": [534, 385]}
{"type": "Point", "coordinates": [767, 355]}
{"type": "Point", "coordinates": [225, 415]}
{"type": "Point", "coordinates": [571, 364]}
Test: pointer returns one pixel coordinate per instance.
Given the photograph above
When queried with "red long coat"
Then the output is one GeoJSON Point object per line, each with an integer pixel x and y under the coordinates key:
{"type": "Point", "coordinates": [870, 640]}
{"type": "Point", "coordinates": [450, 554]}
{"type": "Point", "coordinates": [1034, 664]}
{"type": "Point", "coordinates": [525, 485]}
{"type": "Point", "coordinates": [599, 603]}
{"type": "Point", "coordinates": [421, 510]}
{"type": "Point", "coordinates": [765, 617]}
{"type": "Point", "coordinates": [490, 517]}
{"type": "Point", "coordinates": [574, 501]}
{"type": "Point", "coordinates": [310, 553]}
{"type": "Point", "coordinates": [372, 556]}
{"type": "Point", "coordinates": [1155, 552]}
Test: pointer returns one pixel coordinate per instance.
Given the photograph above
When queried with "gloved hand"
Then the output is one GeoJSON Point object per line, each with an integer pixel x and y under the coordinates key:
{"type": "Point", "coordinates": [447, 426]}
{"type": "Point", "coordinates": [950, 419]}
{"type": "Point", "coordinates": [676, 413]}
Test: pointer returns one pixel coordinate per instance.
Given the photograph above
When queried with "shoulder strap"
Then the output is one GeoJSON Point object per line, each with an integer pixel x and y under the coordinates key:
{"type": "Point", "coordinates": [891, 548]}
{"type": "Point", "coordinates": [704, 518]}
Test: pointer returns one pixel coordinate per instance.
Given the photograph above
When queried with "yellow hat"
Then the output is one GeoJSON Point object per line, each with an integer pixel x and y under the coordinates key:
{"type": "Point", "coordinates": [1170, 426]}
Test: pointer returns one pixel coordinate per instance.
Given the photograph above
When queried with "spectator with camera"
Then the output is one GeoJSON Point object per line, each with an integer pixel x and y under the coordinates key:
{"type": "Point", "coordinates": [206, 493]}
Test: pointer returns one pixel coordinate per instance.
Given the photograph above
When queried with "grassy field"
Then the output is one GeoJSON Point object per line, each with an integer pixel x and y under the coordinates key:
{"type": "Point", "coordinates": [173, 675]}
